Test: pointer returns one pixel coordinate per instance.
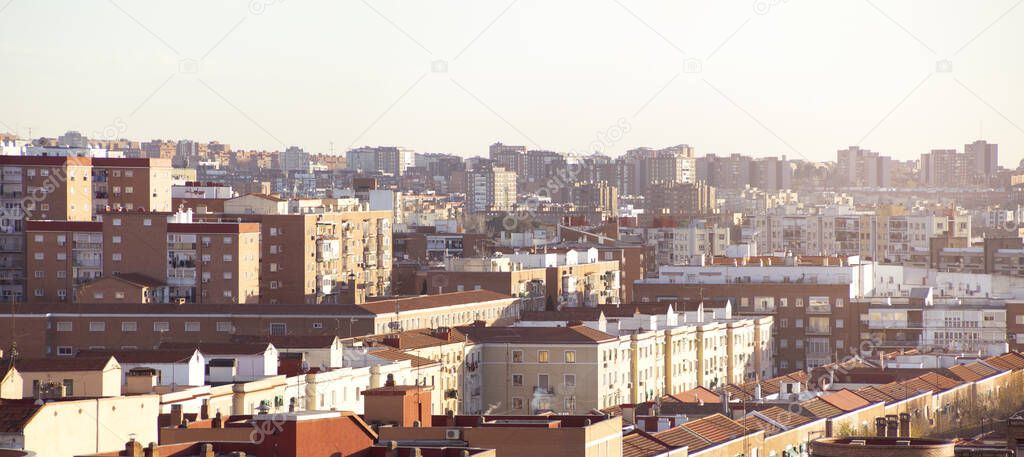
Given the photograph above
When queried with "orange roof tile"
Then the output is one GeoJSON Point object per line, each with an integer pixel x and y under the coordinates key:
{"type": "Point", "coordinates": [641, 444]}
{"type": "Point", "coordinates": [785, 417]}
{"type": "Point", "coordinates": [716, 428]}
{"type": "Point", "coordinates": [845, 400]}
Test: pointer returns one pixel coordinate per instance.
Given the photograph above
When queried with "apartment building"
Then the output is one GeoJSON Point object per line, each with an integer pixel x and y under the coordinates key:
{"type": "Point", "coordinates": [320, 251]}
{"type": "Point", "coordinates": [807, 296]}
{"type": "Point", "coordinates": [675, 245]}
{"type": "Point", "coordinates": [37, 188]}
{"type": "Point", "coordinates": [675, 164]}
{"type": "Point", "coordinates": [490, 189]}
{"type": "Point", "coordinates": [512, 158]}
{"type": "Point", "coordinates": [524, 370]}
{"type": "Point", "coordinates": [199, 262]}
{"type": "Point", "coordinates": [388, 160]}
{"type": "Point", "coordinates": [924, 322]}
{"type": "Point", "coordinates": [885, 234]}
{"type": "Point", "coordinates": [856, 167]}
{"type": "Point", "coordinates": [63, 328]}
{"type": "Point", "coordinates": [132, 184]}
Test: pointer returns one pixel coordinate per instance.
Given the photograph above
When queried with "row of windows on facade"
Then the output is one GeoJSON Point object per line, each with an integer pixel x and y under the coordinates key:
{"type": "Point", "coordinates": [543, 356]}
{"type": "Point", "coordinates": [275, 328]}
{"type": "Point", "coordinates": [568, 380]}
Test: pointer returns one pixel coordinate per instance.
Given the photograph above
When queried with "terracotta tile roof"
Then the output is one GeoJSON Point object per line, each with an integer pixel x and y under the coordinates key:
{"type": "Point", "coordinates": [640, 444]}
{"type": "Point", "coordinates": [1008, 361]}
{"type": "Point", "coordinates": [875, 394]}
{"type": "Point", "coordinates": [398, 356]}
{"type": "Point", "coordinates": [752, 422]}
{"type": "Point", "coordinates": [412, 339]}
{"type": "Point", "coordinates": [431, 301]}
{"type": "Point", "coordinates": [576, 334]}
{"type": "Point", "coordinates": [820, 408]}
{"type": "Point", "coordinates": [845, 400]}
{"type": "Point", "coordinates": [697, 395]}
{"type": "Point", "coordinates": [716, 428]}
{"type": "Point", "coordinates": [939, 382]}
{"type": "Point", "coordinates": [59, 364]}
{"type": "Point", "coordinates": [15, 414]}
{"type": "Point", "coordinates": [142, 356]}
{"type": "Point", "coordinates": [965, 374]}
{"type": "Point", "coordinates": [682, 436]}
{"type": "Point", "coordinates": [973, 371]}
{"type": "Point", "coordinates": [785, 417]}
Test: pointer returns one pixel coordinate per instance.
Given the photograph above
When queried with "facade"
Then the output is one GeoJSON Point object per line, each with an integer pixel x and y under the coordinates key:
{"type": "Point", "coordinates": [490, 189]}
{"type": "Point", "coordinates": [856, 167]}
{"type": "Point", "coordinates": [808, 298]}
{"type": "Point", "coordinates": [388, 160]}
{"type": "Point", "coordinates": [126, 326]}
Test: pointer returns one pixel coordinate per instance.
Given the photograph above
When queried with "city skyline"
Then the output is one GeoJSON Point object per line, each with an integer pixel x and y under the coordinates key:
{"type": "Point", "coordinates": [923, 78]}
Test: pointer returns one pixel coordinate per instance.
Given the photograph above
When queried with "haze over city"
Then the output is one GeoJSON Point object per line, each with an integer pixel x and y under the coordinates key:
{"type": "Point", "coordinates": [770, 77]}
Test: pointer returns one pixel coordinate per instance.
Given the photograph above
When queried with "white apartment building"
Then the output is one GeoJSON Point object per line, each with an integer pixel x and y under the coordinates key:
{"type": "Point", "coordinates": [844, 231]}
{"type": "Point", "coordinates": [675, 245]}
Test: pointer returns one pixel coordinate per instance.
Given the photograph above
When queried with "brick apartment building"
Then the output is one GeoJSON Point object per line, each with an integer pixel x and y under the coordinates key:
{"type": "Point", "coordinates": [199, 262]}
{"type": "Point", "coordinates": [64, 328]}
{"type": "Point", "coordinates": [69, 189]}
{"type": "Point", "coordinates": [809, 298]}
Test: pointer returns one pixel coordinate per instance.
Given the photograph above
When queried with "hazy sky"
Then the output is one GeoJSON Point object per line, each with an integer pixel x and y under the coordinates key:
{"type": "Point", "coordinates": [797, 77]}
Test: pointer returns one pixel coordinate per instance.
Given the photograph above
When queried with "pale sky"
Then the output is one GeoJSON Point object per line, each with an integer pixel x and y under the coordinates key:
{"type": "Point", "coordinates": [797, 77]}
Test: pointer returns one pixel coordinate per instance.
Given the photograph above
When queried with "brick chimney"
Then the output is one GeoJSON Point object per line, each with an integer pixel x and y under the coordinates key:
{"type": "Point", "coordinates": [904, 425]}
{"type": "Point", "coordinates": [892, 425]}
{"type": "Point", "coordinates": [880, 427]}
{"type": "Point", "coordinates": [399, 405]}
{"type": "Point", "coordinates": [442, 333]}
{"type": "Point", "coordinates": [176, 415]}
{"type": "Point", "coordinates": [133, 448]}
{"type": "Point", "coordinates": [394, 340]}
{"type": "Point", "coordinates": [152, 450]}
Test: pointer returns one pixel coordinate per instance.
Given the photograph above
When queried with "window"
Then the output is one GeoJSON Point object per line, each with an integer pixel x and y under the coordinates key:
{"type": "Point", "coordinates": [277, 328]}
{"type": "Point", "coordinates": [129, 326]}
{"type": "Point", "coordinates": [227, 275]}
{"type": "Point", "coordinates": [61, 274]}
{"type": "Point", "coordinates": [119, 295]}
{"type": "Point", "coordinates": [517, 403]}
{"type": "Point", "coordinates": [227, 257]}
{"type": "Point", "coordinates": [64, 326]}
{"type": "Point", "coordinates": [65, 351]}
{"type": "Point", "coordinates": [542, 356]}
{"type": "Point", "coordinates": [783, 343]}
{"type": "Point", "coordinates": [570, 403]}
{"type": "Point", "coordinates": [228, 240]}
{"type": "Point", "coordinates": [228, 294]}
{"type": "Point", "coordinates": [161, 327]}
{"type": "Point", "coordinates": [517, 356]}
{"type": "Point", "coordinates": [224, 326]}
{"type": "Point", "coordinates": [116, 239]}
{"type": "Point", "coordinates": [318, 325]}
{"type": "Point", "coordinates": [191, 326]}
{"type": "Point", "coordinates": [39, 274]}
{"type": "Point", "coordinates": [128, 189]}
{"type": "Point", "coordinates": [570, 380]}
{"type": "Point", "coordinates": [839, 323]}
{"type": "Point", "coordinates": [147, 222]}
{"type": "Point", "coordinates": [97, 326]}
{"type": "Point", "coordinates": [517, 380]}
{"type": "Point", "coordinates": [799, 323]}
{"type": "Point", "coordinates": [116, 257]}
{"type": "Point", "coordinates": [39, 238]}
{"type": "Point", "coordinates": [39, 256]}
{"type": "Point", "coordinates": [799, 344]}
{"type": "Point", "coordinates": [62, 256]}
{"type": "Point", "coordinates": [570, 356]}
{"type": "Point", "coordinates": [116, 222]}
{"type": "Point", "coordinates": [97, 295]}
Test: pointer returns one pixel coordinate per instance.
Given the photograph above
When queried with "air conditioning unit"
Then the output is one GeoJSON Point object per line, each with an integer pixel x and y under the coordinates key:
{"type": "Point", "coordinates": [453, 434]}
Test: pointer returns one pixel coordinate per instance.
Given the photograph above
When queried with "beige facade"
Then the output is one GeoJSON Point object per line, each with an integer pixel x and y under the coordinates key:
{"type": "Point", "coordinates": [67, 428]}
{"type": "Point", "coordinates": [58, 378]}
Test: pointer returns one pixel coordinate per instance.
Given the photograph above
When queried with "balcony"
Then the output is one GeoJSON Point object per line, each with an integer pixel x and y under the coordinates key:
{"type": "Point", "coordinates": [817, 330]}
{"type": "Point", "coordinates": [819, 309]}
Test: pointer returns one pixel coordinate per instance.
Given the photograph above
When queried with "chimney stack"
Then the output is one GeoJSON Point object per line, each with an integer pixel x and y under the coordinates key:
{"type": "Point", "coordinates": [133, 448]}
{"type": "Point", "coordinates": [905, 425]}
{"type": "Point", "coordinates": [206, 450]}
{"type": "Point", "coordinates": [892, 425]}
{"type": "Point", "coordinates": [880, 427]}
